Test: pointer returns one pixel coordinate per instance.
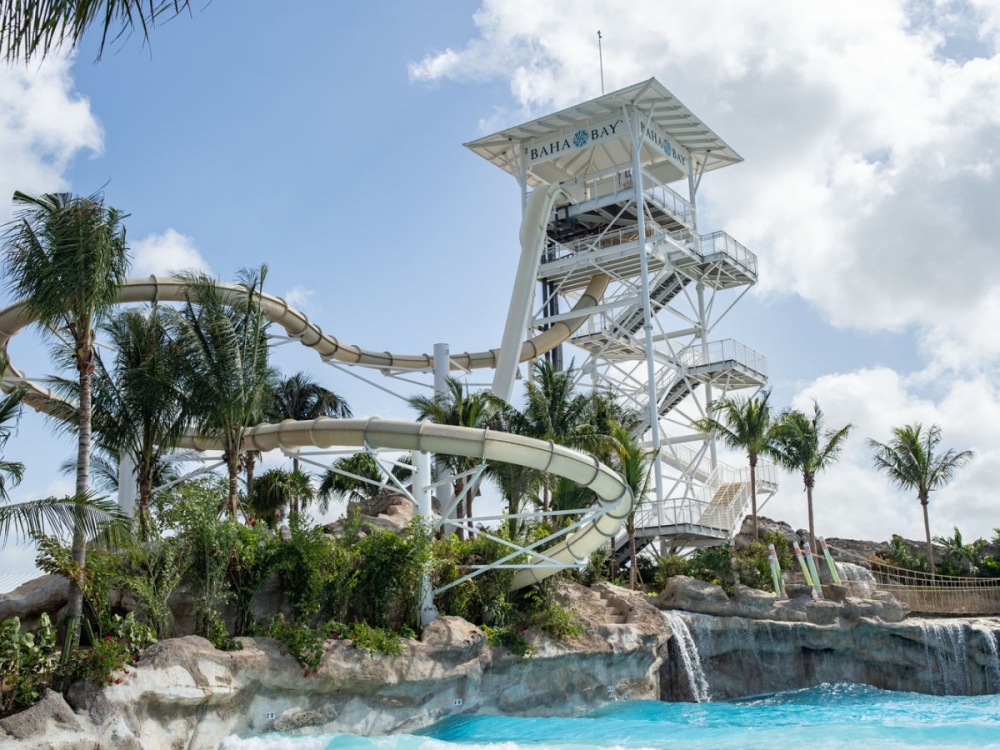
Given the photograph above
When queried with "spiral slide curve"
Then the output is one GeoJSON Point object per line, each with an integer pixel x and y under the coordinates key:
{"type": "Point", "coordinates": [615, 499]}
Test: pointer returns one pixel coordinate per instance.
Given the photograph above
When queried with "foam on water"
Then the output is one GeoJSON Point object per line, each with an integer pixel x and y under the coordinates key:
{"type": "Point", "coordinates": [688, 649]}
{"type": "Point", "coordinates": [829, 715]}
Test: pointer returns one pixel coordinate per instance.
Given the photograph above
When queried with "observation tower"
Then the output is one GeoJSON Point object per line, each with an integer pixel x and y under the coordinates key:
{"type": "Point", "coordinates": [609, 192]}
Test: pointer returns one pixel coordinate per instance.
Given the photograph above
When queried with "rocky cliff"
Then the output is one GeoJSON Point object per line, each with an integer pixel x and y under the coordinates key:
{"type": "Point", "coordinates": [691, 643]}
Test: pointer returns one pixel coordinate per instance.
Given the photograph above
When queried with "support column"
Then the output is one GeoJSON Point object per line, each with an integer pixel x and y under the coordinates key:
{"type": "Point", "coordinates": [422, 494]}
{"type": "Point", "coordinates": [647, 316]}
{"type": "Point", "coordinates": [128, 489]}
{"type": "Point", "coordinates": [446, 481]}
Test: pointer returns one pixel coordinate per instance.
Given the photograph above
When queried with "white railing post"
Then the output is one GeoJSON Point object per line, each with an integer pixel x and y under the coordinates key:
{"type": "Point", "coordinates": [422, 484]}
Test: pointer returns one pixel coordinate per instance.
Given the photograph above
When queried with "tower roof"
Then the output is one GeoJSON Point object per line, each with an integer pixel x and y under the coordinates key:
{"type": "Point", "coordinates": [584, 139]}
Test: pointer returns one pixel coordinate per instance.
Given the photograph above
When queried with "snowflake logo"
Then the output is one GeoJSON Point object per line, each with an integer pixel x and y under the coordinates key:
{"type": "Point", "coordinates": [580, 138]}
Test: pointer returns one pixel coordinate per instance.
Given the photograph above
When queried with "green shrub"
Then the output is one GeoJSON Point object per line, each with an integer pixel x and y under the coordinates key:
{"type": "Point", "coordinates": [667, 567]}
{"type": "Point", "coordinates": [149, 572]}
{"type": "Point", "coordinates": [304, 562]}
{"type": "Point", "coordinates": [304, 642]}
{"type": "Point", "coordinates": [376, 640]}
{"type": "Point", "coordinates": [598, 567]}
{"type": "Point", "coordinates": [510, 637]}
{"type": "Point", "coordinates": [253, 557]}
{"type": "Point", "coordinates": [27, 663]}
{"type": "Point", "coordinates": [483, 599]}
{"type": "Point", "coordinates": [100, 662]}
{"type": "Point", "coordinates": [538, 610]}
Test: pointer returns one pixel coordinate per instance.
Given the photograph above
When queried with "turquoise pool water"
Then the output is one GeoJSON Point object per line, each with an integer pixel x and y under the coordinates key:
{"type": "Point", "coordinates": [828, 716]}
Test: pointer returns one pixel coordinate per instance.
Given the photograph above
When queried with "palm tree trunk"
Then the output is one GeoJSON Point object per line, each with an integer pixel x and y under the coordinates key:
{"type": "Point", "coordinates": [927, 531]}
{"type": "Point", "coordinates": [459, 529]}
{"type": "Point", "coordinates": [753, 495]}
{"type": "Point", "coordinates": [79, 551]}
{"type": "Point", "coordinates": [233, 467]}
{"type": "Point", "coordinates": [812, 526]}
{"type": "Point", "coordinates": [631, 553]}
{"type": "Point", "coordinates": [145, 493]}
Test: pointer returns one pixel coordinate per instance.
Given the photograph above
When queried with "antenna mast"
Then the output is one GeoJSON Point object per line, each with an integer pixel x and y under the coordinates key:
{"type": "Point", "coordinates": [600, 52]}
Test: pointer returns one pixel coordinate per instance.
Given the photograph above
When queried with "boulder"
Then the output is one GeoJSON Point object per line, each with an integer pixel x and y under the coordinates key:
{"type": "Point", "coordinates": [28, 601]}
{"type": "Point", "coordinates": [691, 595]}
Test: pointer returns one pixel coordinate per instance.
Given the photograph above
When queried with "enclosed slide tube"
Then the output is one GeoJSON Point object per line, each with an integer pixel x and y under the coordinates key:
{"type": "Point", "coordinates": [614, 497]}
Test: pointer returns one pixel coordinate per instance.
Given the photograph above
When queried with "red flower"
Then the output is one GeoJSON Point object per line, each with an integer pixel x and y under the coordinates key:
{"type": "Point", "coordinates": [118, 680]}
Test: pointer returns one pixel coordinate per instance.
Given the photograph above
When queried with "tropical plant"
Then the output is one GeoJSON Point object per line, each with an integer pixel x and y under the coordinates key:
{"type": "Point", "coordinates": [37, 28]}
{"type": "Point", "coordinates": [633, 463]}
{"type": "Point", "coordinates": [139, 408]}
{"type": "Point", "coordinates": [276, 491]}
{"type": "Point", "coordinates": [27, 662]}
{"type": "Point", "coordinates": [66, 258]}
{"type": "Point", "coordinates": [460, 407]}
{"type": "Point", "coordinates": [743, 425]}
{"type": "Point", "coordinates": [911, 461]}
{"type": "Point", "coordinates": [802, 444]}
{"type": "Point", "coordinates": [223, 338]}
{"type": "Point", "coordinates": [355, 478]}
{"type": "Point", "coordinates": [301, 398]}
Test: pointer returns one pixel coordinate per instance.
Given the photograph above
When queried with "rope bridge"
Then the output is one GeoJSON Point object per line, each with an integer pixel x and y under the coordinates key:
{"type": "Point", "coordinates": [923, 594]}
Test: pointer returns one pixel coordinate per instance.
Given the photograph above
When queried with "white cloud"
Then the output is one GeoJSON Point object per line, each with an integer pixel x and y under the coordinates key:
{"type": "Point", "coordinates": [300, 297]}
{"type": "Point", "coordinates": [162, 254]}
{"type": "Point", "coordinates": [853, 500]}
{"type": "Point", "coordinates": [43, 125]}
{"type": "Point", "coordinates": [871, 132]}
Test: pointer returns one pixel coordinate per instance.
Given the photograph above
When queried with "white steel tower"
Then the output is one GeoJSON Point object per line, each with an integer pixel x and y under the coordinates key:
{"type": "Point", "coordinates": [598, 195]}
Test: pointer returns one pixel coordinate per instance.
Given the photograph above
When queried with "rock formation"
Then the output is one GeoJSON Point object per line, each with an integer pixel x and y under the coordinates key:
{"type": "Point", "coordinates": [691, 642]}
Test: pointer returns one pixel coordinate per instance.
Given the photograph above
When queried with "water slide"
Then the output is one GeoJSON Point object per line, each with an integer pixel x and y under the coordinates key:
{"type": "Point", "coordinates": [615, 499]}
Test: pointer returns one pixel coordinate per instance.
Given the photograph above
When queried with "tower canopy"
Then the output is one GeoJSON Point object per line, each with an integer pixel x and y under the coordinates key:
{"type": "Point", "coordinates": [594, 136]}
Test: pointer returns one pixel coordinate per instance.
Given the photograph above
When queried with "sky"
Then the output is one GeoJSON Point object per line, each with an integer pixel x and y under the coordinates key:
{"type": "Point", "coordinates": [326, 141]}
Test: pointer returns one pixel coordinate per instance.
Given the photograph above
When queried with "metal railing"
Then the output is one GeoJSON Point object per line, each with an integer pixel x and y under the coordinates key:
{"type": "Point", "coordinates": [671, 202]}
{"type": "Point", "coordinates": [612, 238]}
{"type": "Point", "coordinates": [720, 243]}
{"type": "Point", "coordinates": [726, 350]}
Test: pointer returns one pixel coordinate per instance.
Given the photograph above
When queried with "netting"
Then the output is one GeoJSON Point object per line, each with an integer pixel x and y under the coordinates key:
{"type": "Point", "coordinates": [923, 593]}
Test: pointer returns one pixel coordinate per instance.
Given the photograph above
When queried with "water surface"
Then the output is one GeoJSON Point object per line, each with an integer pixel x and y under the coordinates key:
{"type": "Point", "coordinates": [838, 716]}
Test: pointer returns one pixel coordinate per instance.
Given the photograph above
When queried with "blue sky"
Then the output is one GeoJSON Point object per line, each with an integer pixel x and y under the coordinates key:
{"type": "Point", "coordinates": [325, 140]}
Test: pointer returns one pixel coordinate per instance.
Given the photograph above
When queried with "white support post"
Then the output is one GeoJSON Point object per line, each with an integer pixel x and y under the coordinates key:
{"type": "Point", "coordinates": [422, 495]}
{"type": "Point", "coordinates": [446, 481]}
{"type": "Point", "coordinates": [647, 316]}
{"type": "Point", "coordinates": [127, 485]}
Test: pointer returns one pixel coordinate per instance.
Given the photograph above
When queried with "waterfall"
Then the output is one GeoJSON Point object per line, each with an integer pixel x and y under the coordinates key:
{"type": "Point", "coordinates": [945, 651]}
{"type": "Point", "coordinates": [688, 651]}
{"type": "Point", "coordinates": [858, 578]}
{"type": "Point", "coordinates": [993, 670]}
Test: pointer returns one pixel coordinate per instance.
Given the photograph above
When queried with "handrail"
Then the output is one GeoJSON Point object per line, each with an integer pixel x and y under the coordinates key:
{"type": "Point", "coordinates": [615, 498]}
{"type": "Point", "coordinates": [726, 350]}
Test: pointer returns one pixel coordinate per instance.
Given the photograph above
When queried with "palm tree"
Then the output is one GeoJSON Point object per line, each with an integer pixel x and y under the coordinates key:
{"type": "Point", "coordinates": [801, 444]}
{"type": "Point", "coordinates": [462, 408]}
{"type": "Point", "coordinates": [301, 398]}
{"type": "Point", "coordinates": [356, 478]}
{"type": "Point", "coordinates": [633, 463]}
{"type": "Point", "coordinates": [98, 516]}
{"type": "Point", "coordinates": [223, 340]}
{"type": "Point", "coordinates": [66, 257]}
{"type": "Point", "coordinates": [276, 491]}
{"type": "Point", "coordinates": [29, 28]}
{"type": "Point", "coordinates": [743, 425]}
{"type": "Point", "coordinates": [556, 412]}
{"type": "Point", "coordinates": [910, 461]}
{"type": "Point", "coordinates": [139, 405]}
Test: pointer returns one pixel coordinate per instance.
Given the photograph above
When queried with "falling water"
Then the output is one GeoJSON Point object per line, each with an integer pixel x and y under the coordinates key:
{"type": "Point", "coordinates": [993, 670]}
{"type": "Point", "coordinates": [945, 651]}
{"type": "Point", "coordinates": [860, 579]}
{"type": "Point", "coordinates": [688, 650]}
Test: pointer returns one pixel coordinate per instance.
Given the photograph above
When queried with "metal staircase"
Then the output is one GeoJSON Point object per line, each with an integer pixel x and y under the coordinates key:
{"type": "Point", "coordinates": [612, 166]}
